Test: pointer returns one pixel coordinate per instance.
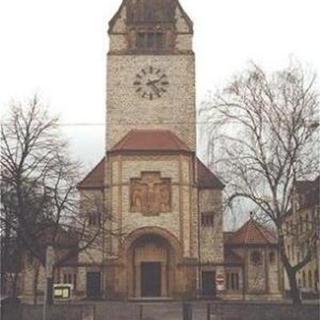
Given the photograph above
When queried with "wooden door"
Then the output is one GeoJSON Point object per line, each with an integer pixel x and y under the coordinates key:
{"type": "Point", "coordinates": [208, 283]}
{"type": "Point", "coordinates": [93, 284]}
{"type": "Point", "coordinates": [150, 279]}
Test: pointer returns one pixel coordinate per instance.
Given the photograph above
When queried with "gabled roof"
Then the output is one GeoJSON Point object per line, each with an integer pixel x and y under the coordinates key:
{"type": "Point", "coordinates": [252, 233]}
{"type": "Point", "coordinates": [206, 178]}
{"type": "Point", "coordinates": [150, 140]}
{"type": "Point", "coordinates": [95, 178]}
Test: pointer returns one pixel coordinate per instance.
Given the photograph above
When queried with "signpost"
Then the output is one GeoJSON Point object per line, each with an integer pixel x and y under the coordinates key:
{"type": "Point", "coordinates": [220, 282]}
{"type": "Point", "coordinates": [49, 269]}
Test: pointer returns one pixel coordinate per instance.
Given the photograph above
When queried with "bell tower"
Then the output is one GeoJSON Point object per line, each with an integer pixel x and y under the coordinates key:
{"type": "Point", "coordinates": [151, 71]}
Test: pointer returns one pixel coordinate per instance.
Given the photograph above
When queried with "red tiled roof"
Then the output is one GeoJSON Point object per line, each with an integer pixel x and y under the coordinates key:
{"type": "Point", "coordinates": [150, 140]}
{"type": "Point", "coordinates": [252, 233]}
{"type": "Point", "coordinates": [206, 178]}
{"type": "Point", "coordinates": [95, 178]}
{"type": "Point", "coordinates": [230, 257]}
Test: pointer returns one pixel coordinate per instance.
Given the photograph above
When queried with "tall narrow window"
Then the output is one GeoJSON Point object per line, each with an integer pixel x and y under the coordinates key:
{"type": "Point", "coordinates": [310, 279]}
{"type": "Point", "coordinates": [232, 281]}
{"type": "Point", "coordinates": [160, 40]}
{"type": "Point", "coordinates": [272, 257]}
{"type": "Point", "coordinates": [140, 41]}
{"type": "Point", "coordinates": [70, 278]}
{"type": "Point", "coordinates": [207, 219]}
{"type": "Point", "coordinates": [150, 40]}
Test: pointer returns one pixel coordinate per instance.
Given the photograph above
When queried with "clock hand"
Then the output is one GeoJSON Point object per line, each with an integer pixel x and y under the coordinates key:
{"type": "Point", "coordinates": [150, 83]}
{"type": "Point", "coordinates": [155, 89]}
{"type": "Point", "coordinates": [155, 81]}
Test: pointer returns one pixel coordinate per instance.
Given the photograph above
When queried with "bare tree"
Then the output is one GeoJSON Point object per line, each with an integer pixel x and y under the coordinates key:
{"type": "Point", "coordinates": [39, 188]}
{"type": "Point", "coordinates": [263, 134]}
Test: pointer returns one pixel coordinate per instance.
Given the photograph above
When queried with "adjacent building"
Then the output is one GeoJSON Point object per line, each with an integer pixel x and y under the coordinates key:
{"type": "Point", "coordinates": [252, 263]}
{"type": "Point", "coordinates": [303, 231]}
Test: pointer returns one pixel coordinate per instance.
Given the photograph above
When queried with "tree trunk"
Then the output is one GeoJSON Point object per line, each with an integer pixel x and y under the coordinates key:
{"type": "Point", "coordinates": [50, 291]}
{"type": "Point", "coordinates": [294, 290]}
{"type": "Point", "coordinates": [291, 273]}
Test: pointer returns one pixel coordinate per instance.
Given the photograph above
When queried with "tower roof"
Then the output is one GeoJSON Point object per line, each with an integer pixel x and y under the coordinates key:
{"type": "Point", "coordinates": [252, 233]}
{"type": "Point", "coordinates": [150, 140]}
{"type": "Point", "coordinates": [148, 12]}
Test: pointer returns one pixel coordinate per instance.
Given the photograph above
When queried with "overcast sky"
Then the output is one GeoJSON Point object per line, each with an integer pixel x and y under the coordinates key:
{"type": "Point", "coordinates": [57, 48]}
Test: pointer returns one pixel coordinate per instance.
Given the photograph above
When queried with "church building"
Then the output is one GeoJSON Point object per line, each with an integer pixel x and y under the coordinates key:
{"type": "Point", "coordinates": [160, 207]}
{"type": "Point", "coordinates": [166, 232]}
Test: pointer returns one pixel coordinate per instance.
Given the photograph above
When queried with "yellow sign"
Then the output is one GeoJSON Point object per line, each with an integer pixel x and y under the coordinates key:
{"type": "Point", "coordinates": [62, 291]}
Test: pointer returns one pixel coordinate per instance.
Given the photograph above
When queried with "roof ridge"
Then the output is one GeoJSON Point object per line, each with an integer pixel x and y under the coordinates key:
{"type": "Point", "coordinates": [177, 140]}
{"type": "Point", "coordinates": [123, 140]}
{"type": "Point", "coordinates": [261, 230]}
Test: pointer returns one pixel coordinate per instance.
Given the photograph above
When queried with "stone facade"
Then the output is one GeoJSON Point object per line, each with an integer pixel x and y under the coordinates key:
{"type": "Point", "coordinates": [177, 104]}
{"type": "Point", "coordinates": [253, 267]}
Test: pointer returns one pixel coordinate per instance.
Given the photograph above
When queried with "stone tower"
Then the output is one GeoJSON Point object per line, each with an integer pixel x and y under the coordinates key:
{"type": "Point", "coordinates": [151, 71]}
{"type": "Point", "coordinates": [164, 204]}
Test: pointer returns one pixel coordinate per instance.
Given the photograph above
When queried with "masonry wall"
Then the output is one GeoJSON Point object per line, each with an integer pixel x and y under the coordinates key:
{"type": "Point", "coordinates": [174, 111]}
{"type": "Point", "coordinates": [256, 273]}
{"type": "Point", "coordinates": [126, 109]}
{"type": "Point", "coordinates": [92, 202]}
{"type": "Point", "coordinates": [211, 237]}
{"type": "Point", "coordinates": [180, 222]}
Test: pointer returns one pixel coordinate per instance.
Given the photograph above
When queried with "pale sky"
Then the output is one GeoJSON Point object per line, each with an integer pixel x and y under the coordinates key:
{"type": "Point", "coordinates": [57, 48]}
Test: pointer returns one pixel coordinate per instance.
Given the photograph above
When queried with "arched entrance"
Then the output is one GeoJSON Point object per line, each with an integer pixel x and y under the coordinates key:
{"type": "Point", "coordinates": [151, 262]}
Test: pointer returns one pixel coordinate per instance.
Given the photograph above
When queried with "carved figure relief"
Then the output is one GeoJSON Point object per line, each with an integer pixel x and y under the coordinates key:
{"type": "Point", "coordinates": [150, 194]}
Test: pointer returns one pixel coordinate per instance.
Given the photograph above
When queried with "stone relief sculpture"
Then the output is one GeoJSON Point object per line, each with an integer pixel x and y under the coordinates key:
{"type": "Point", "coordinates": [150, 194]}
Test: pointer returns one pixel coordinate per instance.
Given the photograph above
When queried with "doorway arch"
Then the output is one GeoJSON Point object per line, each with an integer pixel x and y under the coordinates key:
{"type": "Point", "coordinates": [151, 262]}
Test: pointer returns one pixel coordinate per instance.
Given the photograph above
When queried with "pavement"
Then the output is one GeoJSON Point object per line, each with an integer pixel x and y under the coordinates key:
{"type": "Point", "coordinates": [151, 311]}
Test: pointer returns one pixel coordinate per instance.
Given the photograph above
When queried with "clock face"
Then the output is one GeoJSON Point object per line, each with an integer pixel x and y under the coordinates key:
{"type": "Point", "coordinates": [151, 83]}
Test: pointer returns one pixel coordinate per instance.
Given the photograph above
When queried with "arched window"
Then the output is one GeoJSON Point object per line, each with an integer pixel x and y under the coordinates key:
{"type": "Point", "coordinates": [256, 258]}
